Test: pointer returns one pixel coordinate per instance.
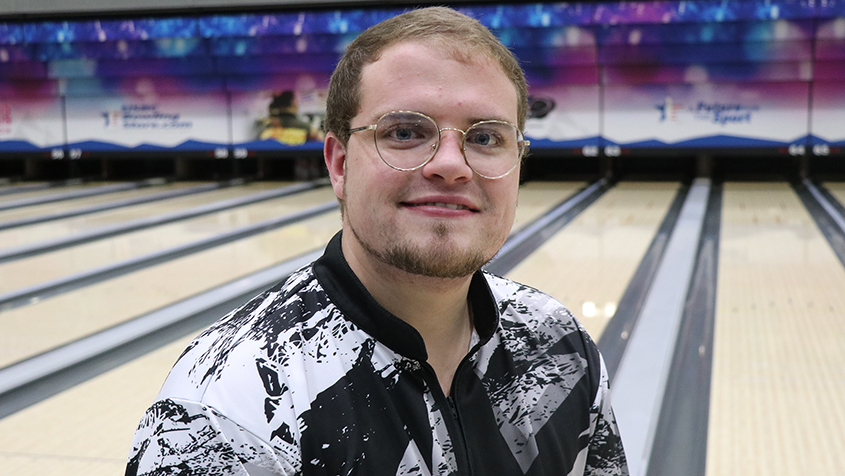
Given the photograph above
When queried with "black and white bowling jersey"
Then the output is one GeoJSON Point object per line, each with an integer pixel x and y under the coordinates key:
{"type": "Point", "coordinates": [314, 377]}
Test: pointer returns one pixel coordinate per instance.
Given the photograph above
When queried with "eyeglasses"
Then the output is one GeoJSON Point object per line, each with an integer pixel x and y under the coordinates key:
{"type": "Point", "coordinates": [407, 140]}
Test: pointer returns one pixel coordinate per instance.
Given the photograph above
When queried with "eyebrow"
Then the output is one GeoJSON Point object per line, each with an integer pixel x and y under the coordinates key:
{"type": "Point", "coordinates": [469, 122]}
{"type": "Point", "coordinates": [475, 120]}
{"type": "Point", "coordinates": [494, 118]}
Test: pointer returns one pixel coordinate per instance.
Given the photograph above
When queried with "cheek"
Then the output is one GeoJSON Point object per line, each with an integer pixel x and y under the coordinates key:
{"type": "Point", "coordinates": [366, 188]}
{"type": "Point", "coordinates": [506, 196]}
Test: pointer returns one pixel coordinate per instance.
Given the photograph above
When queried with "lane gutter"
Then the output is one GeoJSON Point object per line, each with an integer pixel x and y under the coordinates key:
{"type": "Point", "coordinates": [118, 204]}
{"type": "Point", "coordinates": [680, 443]}
{"type": "Point", "coordinates": [614, 339]}
{"type": "Point", "coordinates": [35, 379]}
{"type": "Point", "coordinates": [30, 381]}
{"type": "Point", "coordinates": [827, 212]}
{"type": "Point", "coordinates": [101, 190]}
{"type": "Point", "coordinates": [640, 382]}
{"type": "Point", "coordinates": [40, 291]}
{"type": "Point", "coordinates": [24, 251]}
{"type": "Point", "coordinates": [528, 239]}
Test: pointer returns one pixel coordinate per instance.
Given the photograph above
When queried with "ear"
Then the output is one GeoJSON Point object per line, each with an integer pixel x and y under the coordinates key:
{"type": "Point", "coordinates": [335, 155]}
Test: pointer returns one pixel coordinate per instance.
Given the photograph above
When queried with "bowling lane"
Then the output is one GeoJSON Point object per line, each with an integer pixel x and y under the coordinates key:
{"type": "Point", "coordinates": [26, 272]}
{"type": "Point", "coordinates": [15, 188]}
{"type": "Point", "coordinates": [91, 425]}
{"type": "Point", "coordinates": [86, 430]}
{"type": "Point", "coordinates": [536, 198]}
{"type": "Point", "coordinates": [85, 202]}
{"type": "Point", "coordinates": [38, 327]}
{"type": "Point", "coordinates": [778, 378]}
{"type": "Point", "coordinates": [32, 194]}
{"type": "Point", "coordinates": [587, 265]}
{"type": "Point", "coordinates": [837, 189]}
{"type": "Point", "coordinates": [33, 329]}
{"type": "Point", "coordinates": [69, 226]}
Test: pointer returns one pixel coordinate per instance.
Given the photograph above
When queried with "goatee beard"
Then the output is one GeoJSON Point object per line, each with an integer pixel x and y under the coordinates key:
{"type": "Point", "coordinates": [435, 262]}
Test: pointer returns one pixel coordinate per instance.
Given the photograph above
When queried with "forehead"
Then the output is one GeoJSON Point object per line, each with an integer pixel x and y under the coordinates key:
{"type": "Point", "coordinates": [438, 80]}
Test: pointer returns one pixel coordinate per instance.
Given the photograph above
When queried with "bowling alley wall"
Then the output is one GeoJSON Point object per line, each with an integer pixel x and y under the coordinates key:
{"type": "Point", "coordinates": [606, 79]}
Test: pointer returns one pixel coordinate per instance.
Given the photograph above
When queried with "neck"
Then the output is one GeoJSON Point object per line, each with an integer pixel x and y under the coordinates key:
{"type": "Point", "coordinates": [436, 307]}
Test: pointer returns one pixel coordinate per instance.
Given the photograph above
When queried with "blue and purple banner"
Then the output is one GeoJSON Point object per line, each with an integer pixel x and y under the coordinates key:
{"type": "Point", "coordinates": [702, 73]}
{"type": "Point", "coordinates": [31, 124]}
{"type": "Point", "coordinates": [280, 113]}
{"type": "Point", "coordinates": [151, 123]}
{"type": "Point", "coordinates": [564, 116]}
{"type": "Point", "coordinates": [707, 115]}
{"type": "Point", "coordinates": [828, 115]}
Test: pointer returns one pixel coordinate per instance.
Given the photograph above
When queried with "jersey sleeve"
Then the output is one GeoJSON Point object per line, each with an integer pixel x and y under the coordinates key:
{"type": "Point", "coordinates": [605, 455]}
{"type": "Point", "coordinates": [185, 437]}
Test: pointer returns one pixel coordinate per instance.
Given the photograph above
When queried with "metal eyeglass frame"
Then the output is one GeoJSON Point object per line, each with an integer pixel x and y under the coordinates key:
{"type": "Point", "coordinates": [436, 146]}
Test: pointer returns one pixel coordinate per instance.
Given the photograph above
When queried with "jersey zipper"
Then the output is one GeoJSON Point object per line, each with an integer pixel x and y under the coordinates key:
{"type": "Point", "coordinates": [452, 417]}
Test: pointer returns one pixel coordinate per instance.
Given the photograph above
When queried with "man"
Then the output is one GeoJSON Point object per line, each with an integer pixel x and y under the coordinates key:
{"type": "Point", "coordinates": [393, 354]}
{"type": "Point", "coordinates": [283, 123]}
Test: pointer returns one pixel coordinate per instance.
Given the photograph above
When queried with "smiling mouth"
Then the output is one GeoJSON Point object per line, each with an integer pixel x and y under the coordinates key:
{"type": "Point", "coordinates": [452, 206]}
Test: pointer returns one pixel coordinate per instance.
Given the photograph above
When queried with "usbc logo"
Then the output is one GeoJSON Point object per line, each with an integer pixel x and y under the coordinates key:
{"type": "Point", "coordinates": [715, 112]}
{"type": "Point", "coordinates": [114, 119]}
{"type": "Point", "coordinates": [669, 109]}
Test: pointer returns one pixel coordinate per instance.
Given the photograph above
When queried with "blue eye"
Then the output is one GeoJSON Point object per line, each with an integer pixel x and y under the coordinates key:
{"type": "Point", "coordinates": [402, 133]}
{"type": "Point", "coordinates": [481, 139]}
{"type": "Point", "coordinates": [405, 131]}
{"type": "Point", "coordinates": [485, 137]}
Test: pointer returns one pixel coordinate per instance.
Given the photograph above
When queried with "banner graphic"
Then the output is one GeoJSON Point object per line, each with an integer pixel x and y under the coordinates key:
{"type": "Point", "coordinates": [706, 115]}
{"type": "Point", "coordinates": [564, 116]}
{"type": "Point", "coordinates": [148, 123]}
{"type": "Point", "coordinates": [694, 73]}
{"type": "Point", "coordinates": [31, 124]}
{"type": "Point", "coordinates": [289, 116]}
{"type": "Point", "coordinates": [828, 123]}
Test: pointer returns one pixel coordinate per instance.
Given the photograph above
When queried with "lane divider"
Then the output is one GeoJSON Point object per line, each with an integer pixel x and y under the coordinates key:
{"type": "Point", "coordinates": [40, 291]}
{"type": "Point", "coordinates": [119, 204]}
{"type": "Point", "coordinates": [528, 239]}
{"type": "Point", "coordinates": [680, 443]}
{"type": "Point", "coordinates": [88, 192]}
{"type": "Point", "coordinates": [37, 378]}
{"type": "Point", "coordinates": [24, 251]}
{"type": "Point", "coordinates": [32, 380]}
{"type": "Point", "coordinates": [9, 188]}
{"type": "Point", "coordinates": [827, 212]}
{"type": "Point", "coordinates": [614, 339]}
{"type": "Point", "coordinates": [640, 382]}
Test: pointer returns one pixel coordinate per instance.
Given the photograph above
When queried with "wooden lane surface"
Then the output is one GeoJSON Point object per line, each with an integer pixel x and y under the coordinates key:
{"type": "Point", "coordinates": [69, 226]}
{"type": "Point", "coordinates": [88, 429]}
{"type": "Point", "coordinates": [837, 189]}
{"type": "Point", "coordinates": [13, 197]}
{"type": "Point", "coordinates": [85, 202]}
{"type": "Point", "coordinates": [588, 264]}
{"type": "Point", "coordinates": [33, 329]}
{"type": "Point", "coordinates": [36, 269]}
{"type": "Point", "coordinates": [18, 188]}
{"type": "Point", "coordinates": [536, 198]}
{"type": "Point", "coordinates": [777, 405]}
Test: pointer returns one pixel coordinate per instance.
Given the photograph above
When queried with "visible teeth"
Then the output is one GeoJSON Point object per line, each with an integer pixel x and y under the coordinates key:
{"type": "Point", "coordinates": [453, 206]}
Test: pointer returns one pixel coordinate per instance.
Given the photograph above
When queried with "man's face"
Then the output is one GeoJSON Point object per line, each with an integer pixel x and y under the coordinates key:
{"type": "Point", "coordinates": [441, 220]}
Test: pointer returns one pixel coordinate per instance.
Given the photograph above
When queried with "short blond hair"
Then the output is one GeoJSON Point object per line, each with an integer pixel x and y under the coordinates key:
{"type": "Point", "coordinates": [464, 36]}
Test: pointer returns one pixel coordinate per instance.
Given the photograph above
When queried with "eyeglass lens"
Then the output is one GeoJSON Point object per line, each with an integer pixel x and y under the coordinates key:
{"type": "Point", "coordinates": [407, 140]}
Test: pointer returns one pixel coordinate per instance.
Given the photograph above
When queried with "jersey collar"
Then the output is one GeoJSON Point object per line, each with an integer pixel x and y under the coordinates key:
{"type": "Point", "coordinates": [348, 293]}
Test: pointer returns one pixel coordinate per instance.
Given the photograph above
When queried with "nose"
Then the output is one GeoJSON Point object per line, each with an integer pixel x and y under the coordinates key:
{"type": "Point", "coordinates": [448, 163]}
